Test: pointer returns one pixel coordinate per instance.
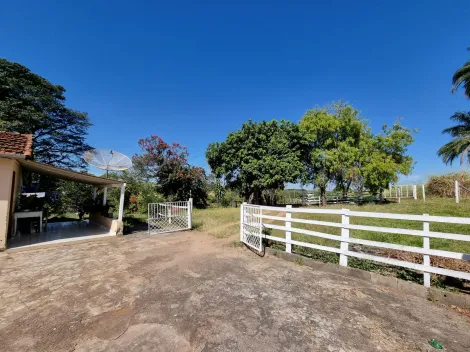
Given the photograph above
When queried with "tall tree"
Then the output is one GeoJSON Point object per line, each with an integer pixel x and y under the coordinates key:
{"type": "Point", "coordinates": [261, 156]}
{"type": "Point", "coordinates": [334, 133]}
{"type": "Point", "coordinates": [385, 157]}
{"type": "Point", "coordinates": [31, 104]}
{"type": "Point", "coordinates": [167, 165]}
{"type": "Point", "coordinates": [459, 146]}
{"type": "Point", "coordinates": [462, 77]}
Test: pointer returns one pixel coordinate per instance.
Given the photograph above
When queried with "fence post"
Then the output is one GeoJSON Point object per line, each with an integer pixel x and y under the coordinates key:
{"type": "Point", "coordinates": [288, 225]}
{"type": "Point", "coordinates": [190, 213]}
{"type": "Point", "coordinates": [415, 192]}
{"type": "Point", "coordinates": [426, 259]}
{"type": "Point", "coordinates": [457, 191]}
{"type": "Point", "coordinates": [343, 259]}
{"type": "Point", "coordinates": [424, 194]}
{"type": "Point", "coordinates": [242, 210]}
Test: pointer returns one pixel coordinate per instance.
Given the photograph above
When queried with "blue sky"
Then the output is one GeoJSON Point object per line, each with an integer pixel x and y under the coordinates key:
{"type": "Point", "coordinates": [192, 72]}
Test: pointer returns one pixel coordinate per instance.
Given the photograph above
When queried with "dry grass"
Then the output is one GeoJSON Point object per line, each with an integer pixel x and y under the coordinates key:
{"type": "Point", "coordinates": [218, 222]}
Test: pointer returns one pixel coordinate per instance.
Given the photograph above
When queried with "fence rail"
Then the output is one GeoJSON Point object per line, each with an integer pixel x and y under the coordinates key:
{"type": "Point", "coordinates": [345, 239]}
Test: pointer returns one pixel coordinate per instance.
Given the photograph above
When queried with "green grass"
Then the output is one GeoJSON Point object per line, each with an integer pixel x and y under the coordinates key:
{"type": "Point", "coordinates": [218, 222]}
{"type": "Point", "coordinates": [443, 207]}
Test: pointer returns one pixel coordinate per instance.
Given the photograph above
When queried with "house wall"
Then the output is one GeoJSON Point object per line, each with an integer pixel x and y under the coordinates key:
{"type": "Point", "coordinates": [7, 167]}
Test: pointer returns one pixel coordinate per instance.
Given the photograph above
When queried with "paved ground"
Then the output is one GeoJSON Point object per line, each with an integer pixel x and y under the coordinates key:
{"type": "Point", "coordinates": [190, 292]}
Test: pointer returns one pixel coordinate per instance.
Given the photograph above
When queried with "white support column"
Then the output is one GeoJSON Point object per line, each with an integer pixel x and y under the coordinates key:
{"type": "Point", "coordinates": [426, 259]}
{"type": "Point", "coordinates": [288, 225]}
{"type": "Point", "coordinates": [121, 201]}
{"type": "Point", "coordinates": [424, 194]}
{"type": "Point", "coordinates": [105, 195]}
{"type": "Point", "coordinates": [457, 192]}
{"type": "Point", "coordinates": [343, 259]}
{"type": "Point", "coordinates": [190, 213]}
{"type": "Point", "coordinates": [242, 220]}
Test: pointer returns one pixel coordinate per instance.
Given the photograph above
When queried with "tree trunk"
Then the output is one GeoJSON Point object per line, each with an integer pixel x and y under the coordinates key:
{"type": "Point", "coordinates": [381, 194]}
{"type": "Point", "coordinates": [257, 196]}
{"type": "Point", "coordinates": [323, 196]}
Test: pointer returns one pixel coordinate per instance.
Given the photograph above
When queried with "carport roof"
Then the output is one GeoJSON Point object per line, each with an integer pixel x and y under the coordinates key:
{"type": "Point", "coordinates": [64, 174]}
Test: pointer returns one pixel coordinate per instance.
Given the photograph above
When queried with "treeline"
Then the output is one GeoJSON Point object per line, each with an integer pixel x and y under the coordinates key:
{"type": "Point", "coordinates": [330, 145]}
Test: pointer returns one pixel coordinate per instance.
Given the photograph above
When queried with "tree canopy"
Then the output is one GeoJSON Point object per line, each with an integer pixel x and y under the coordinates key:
{"type": "Point", "coordinates": [334, 133]}
{"type": "Point", "coordinates": [459, 146]}
{"type": "Point", "coordinates": [167, 165]}
{"type": "Point", "coordinates": [260, 156]}
{"type": "Point", "coordinates": [462, 77]}
{"type": "Point", "coordinates": [31, 104]}
{"type": "Point", "coordinates": [332, 145]}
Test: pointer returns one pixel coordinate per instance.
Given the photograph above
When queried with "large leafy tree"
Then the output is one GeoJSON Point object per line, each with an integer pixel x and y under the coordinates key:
{"type": "Point", "coordinates": [385, 157]}
{"type": "Point", "coordinates": [462, 77]}
{"type": "Point", "coordinates": [344, 152]}
{"type": "Point", "coordinates": [459, 146]}
{"type": "Point", "coordinates": [261, 156]}
{"type": "Point", "coordinates": [167, 165]}
{"type": "Point", "coordinates": [334, 133]}
{"type": "Point", "coordinates": [31, 104]}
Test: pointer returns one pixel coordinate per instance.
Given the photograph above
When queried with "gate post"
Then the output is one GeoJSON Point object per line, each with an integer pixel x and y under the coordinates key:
{"type": "Point", "coordinates": [288, 225]}
{"type": "Point", "coordinates": [190, 213]}
{"type": "Point", "coordinates": [457, 191]}
{"type": "Point", "coordinates": [242, 210]}
{"type": "Point", "coordinates": [343, 259]}
{"type": "Point", "coordinates": [426, 259]}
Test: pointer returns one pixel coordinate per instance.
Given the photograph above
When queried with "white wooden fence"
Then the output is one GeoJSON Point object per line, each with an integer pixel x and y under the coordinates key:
{"type": "Point", "coordinates": [404, 191]}
{"type": "Point", "coordinates": [345, 239]}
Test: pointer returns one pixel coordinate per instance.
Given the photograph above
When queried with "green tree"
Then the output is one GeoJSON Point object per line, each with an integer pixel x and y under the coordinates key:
{"type": "Point", "coordinates": [462, 77]}
{"type": "Point", "coordinates": [261, 156]}
{"type": "Point", "coordinates": [385, 157]}
{"type": "Point", "coordinates": [31, 104]}
{"type": "Point", "coordinates": [70, 196]}
{"type": "Point", "coordinates": [167, 166]}
{"type": "Point", "coordinates": [459, 146]}
{"type": "Point", "coordinates": [334, 133]}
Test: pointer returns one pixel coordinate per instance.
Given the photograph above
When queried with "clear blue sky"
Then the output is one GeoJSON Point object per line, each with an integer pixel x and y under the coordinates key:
{"type": "Point", "coordinates": [192, 72]}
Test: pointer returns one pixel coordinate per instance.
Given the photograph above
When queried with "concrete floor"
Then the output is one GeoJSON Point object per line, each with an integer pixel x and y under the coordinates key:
{"type": "Point", "coordinates": [191, 292]}
{"type": "Point", "coordinates": [58, 232]}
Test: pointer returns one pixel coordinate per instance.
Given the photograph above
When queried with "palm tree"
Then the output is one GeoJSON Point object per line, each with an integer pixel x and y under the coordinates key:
{"type": "Point", "coordinates": [462, 76]}
{"type": "Point", "coordinates": [460, 145]}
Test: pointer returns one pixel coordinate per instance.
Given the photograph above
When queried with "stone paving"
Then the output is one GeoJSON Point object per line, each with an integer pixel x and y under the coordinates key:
{"type": "Point", "coordinates": [190, 292]}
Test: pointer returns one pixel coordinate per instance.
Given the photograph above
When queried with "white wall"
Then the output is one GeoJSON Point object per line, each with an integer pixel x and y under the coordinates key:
{"type": "Point", "coordinates": [7, 167]}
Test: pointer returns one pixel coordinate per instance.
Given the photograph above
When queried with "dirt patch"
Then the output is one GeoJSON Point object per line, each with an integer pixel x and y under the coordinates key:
{"type": "Point", "coordinates": [189, 291]}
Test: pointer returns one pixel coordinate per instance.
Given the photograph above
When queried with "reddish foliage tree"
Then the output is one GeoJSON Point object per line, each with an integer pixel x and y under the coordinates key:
{"type": "Point", "coordinates": [167, 165]}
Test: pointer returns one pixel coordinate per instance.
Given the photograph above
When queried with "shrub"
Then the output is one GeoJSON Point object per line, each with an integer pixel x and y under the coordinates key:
{"type": "Point", "coordinates": [444, 185]}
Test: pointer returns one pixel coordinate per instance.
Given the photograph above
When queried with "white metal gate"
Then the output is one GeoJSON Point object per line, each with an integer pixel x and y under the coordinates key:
{"type": "Point", "coordinates": [251, 227]}
{"type": "Point", "coordinates": [169, 216]}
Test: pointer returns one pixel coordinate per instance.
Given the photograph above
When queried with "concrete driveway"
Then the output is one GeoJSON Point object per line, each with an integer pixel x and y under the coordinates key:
{"type": "Point", "coordinates": [191, 292]}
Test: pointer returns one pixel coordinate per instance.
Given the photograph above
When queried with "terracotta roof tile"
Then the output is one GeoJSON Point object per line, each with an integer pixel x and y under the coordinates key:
{"type": "Point", "coordinates": [15, 143]}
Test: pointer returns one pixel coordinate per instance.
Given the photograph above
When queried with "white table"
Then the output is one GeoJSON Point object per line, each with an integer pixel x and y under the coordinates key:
{"type": "Point", "coordinates": [27, 214]}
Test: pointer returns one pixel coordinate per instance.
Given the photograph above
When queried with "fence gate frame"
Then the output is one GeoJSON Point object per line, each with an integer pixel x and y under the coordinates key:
{"type": "Point", "coordinates": [251, 226]}
{"type": "Point", "coordinates": [169, 216]}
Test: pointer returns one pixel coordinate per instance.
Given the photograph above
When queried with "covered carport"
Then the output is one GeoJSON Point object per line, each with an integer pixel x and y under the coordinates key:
{"type": "Point", "coordinates": [97, 225]}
